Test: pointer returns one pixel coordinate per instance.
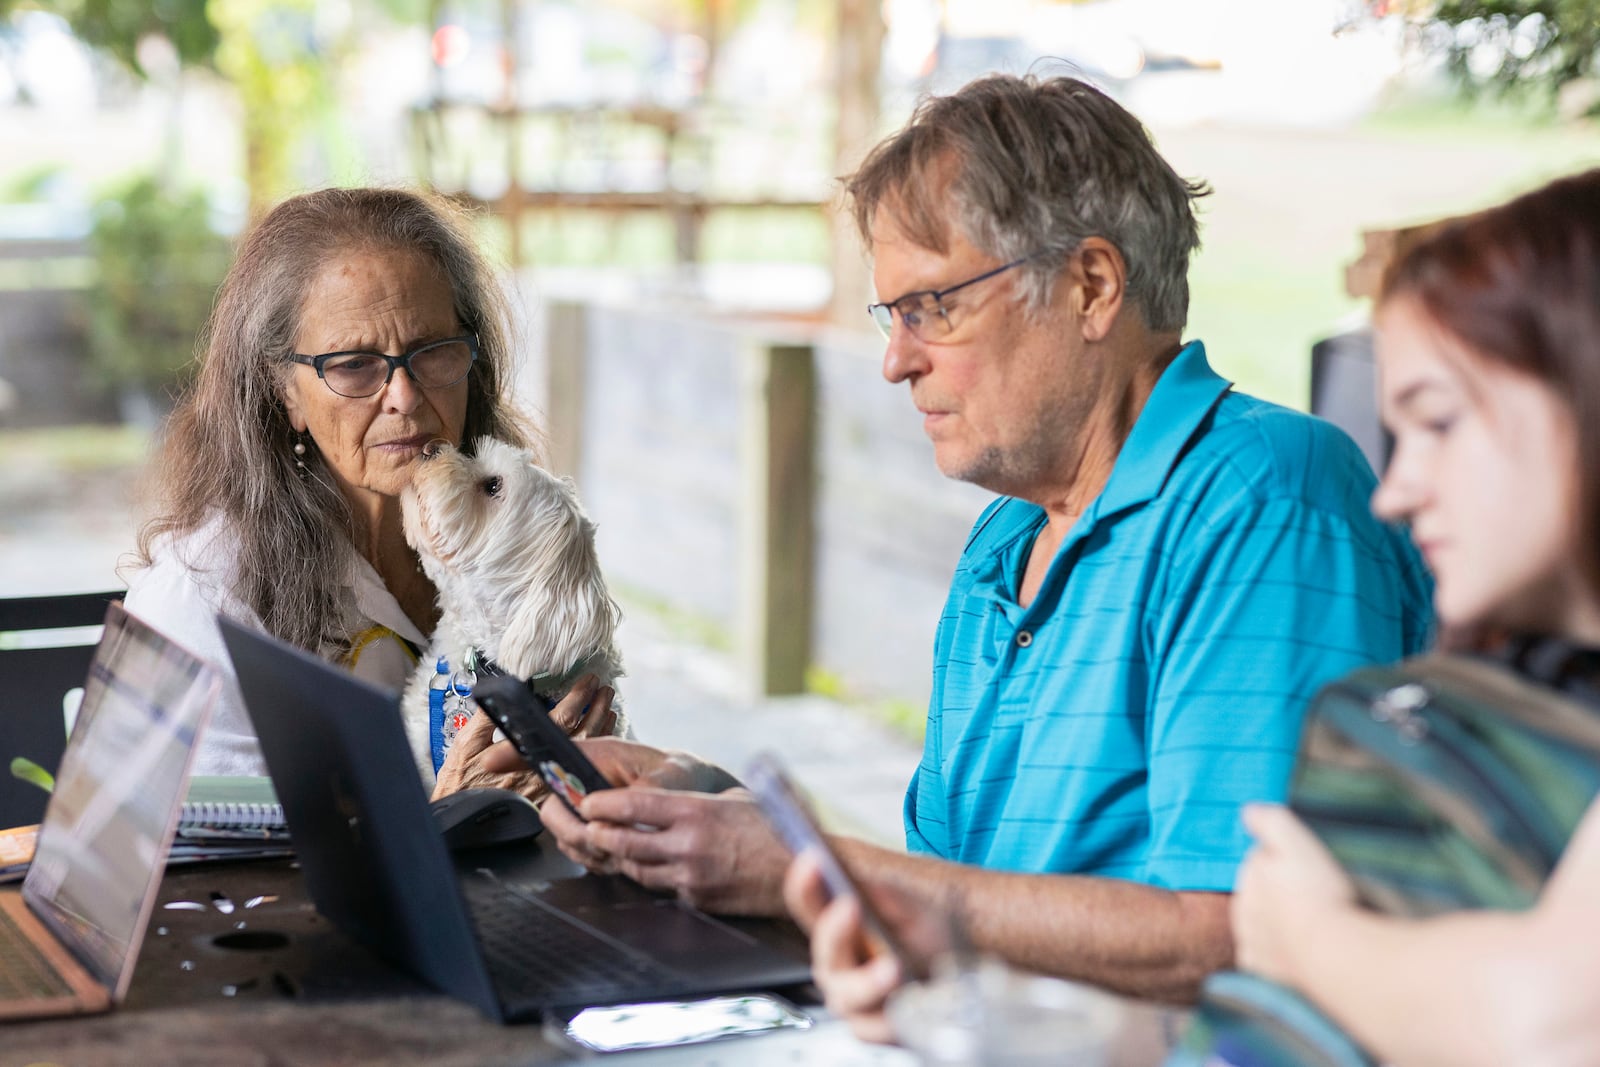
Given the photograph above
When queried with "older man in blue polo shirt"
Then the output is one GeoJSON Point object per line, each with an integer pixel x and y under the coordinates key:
{"type": "Point", "coordinates": [1136, 624]}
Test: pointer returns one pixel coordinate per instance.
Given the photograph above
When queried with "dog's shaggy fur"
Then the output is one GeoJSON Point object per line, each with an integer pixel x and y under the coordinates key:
{"type": "Point", "coordinates": [511, 553]}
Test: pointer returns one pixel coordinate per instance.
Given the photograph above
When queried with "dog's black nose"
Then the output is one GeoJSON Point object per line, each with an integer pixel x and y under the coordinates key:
{"type": "Point", "coordinates": [432, 449]}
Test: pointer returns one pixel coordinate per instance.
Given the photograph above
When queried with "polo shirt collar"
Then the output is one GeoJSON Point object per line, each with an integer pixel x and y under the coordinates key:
{"type": "Point", "coordinates": [1184, 395]}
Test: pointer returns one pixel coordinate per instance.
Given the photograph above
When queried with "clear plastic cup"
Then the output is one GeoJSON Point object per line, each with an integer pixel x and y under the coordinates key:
{"type": "Point", "coordinates": [992, 1016]}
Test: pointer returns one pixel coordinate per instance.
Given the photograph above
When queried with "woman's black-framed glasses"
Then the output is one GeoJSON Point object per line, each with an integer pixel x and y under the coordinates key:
{"type": "Point", "coordinates": [923, 312]}
{"type": "Point", "coordinates": [434, 365]}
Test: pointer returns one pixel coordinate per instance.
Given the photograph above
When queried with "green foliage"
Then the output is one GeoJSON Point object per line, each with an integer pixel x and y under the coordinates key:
{"type": "Point", "coordinates": [25, 770]}
{"type": "Point", "coordinates": [30, 185]}
{"type": "Point", "coordinates": [158, 263]}
{"type": "Point", "coordinates": [278, 54]}
{"type": "Point", "coordinates": [77, 450]}
{"type": "Point", "coordinates": [1538, 44]}
{"type": "Point", "coordinates": [117, 26]}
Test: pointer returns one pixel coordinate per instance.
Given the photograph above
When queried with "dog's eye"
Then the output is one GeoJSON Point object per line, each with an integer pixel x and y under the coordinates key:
{"type": "Point", "coordinates": [492, 485]}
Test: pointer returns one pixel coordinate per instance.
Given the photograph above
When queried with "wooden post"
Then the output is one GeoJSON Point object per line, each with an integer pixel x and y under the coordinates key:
{"type": "Point", "coordinates": [566, 341]}
{"type": "Point", "coordinates": [776, 450]}
{"type": "Point", "coordinates": [858, 44]}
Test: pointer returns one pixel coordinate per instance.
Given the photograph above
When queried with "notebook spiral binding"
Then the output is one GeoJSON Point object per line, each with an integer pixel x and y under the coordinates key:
{"type": "Point", "coordinates": [232, 815]}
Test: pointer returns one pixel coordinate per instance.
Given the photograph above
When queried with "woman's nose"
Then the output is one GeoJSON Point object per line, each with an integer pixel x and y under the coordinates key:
{"type": "Point", "coordinates": [1398, 494]}
{"type": "Point", "coordinates": [401, 394]}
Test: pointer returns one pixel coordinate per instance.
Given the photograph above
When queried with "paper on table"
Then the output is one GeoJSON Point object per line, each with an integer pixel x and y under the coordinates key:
{"type": "Point", "coordinates": [16, 851]}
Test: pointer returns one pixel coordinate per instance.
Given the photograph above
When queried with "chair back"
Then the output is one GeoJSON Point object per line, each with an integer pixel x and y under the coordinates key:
{"type": "Point", "coordinates": [1344, 390]}
{"type": "Point", "coordinates": [46, 643]}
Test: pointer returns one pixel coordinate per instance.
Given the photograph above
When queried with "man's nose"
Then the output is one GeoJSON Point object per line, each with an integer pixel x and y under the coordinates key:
{"type": "Point", "coordinates": [905, 355]}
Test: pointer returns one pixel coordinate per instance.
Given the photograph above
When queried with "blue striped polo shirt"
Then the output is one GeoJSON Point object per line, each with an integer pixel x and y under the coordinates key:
{"type": "Point", "coordinates": [1115, 726]}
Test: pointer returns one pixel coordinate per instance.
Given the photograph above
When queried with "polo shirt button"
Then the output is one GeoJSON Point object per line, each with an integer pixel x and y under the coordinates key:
{"type": "Point", "coordinates": [1024, 639]}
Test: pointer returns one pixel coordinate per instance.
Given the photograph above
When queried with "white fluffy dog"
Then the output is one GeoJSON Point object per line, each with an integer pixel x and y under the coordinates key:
{"type": "Point", "coordinates": [511, 553]}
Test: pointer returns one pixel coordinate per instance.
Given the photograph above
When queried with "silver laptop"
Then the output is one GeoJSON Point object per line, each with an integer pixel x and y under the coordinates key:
{"type": "Point", "coordinates": [69, 937]}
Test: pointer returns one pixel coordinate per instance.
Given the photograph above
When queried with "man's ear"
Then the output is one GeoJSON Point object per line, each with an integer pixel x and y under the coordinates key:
{"type": "Point", "coordinates": [1099, 280]}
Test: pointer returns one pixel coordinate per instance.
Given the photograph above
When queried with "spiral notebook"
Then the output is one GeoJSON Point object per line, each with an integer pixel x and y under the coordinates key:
{"type": "Point", "coordinates": [230, 818]}
{"type": "Point", "coordinates": [234, 804]}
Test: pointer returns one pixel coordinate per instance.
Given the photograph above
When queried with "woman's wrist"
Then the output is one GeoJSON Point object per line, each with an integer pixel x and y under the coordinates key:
{"type": "Point", "coordinates": [1331, 938]}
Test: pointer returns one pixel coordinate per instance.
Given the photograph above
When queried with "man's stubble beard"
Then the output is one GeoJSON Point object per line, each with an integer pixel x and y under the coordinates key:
{"type": "Point", "coordinates": [1006, 471]}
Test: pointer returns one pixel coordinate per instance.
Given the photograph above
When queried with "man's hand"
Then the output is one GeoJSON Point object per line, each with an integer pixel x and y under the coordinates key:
{"type": "Point", "coordinates": [715, 851]}
{"type": "Point", "coordinates": [1287, 885]}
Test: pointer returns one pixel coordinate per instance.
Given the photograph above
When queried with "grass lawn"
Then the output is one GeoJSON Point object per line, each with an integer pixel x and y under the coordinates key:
{"type": "Point", "coordinates": [75, 448]}
{"type": "Point", "coordinates": [1289, 207]}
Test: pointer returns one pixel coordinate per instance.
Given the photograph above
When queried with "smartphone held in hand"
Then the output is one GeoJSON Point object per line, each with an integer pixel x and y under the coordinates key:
{"type": "Point", "coordinates": [525, 719]}
{"type": "Point", "coordinates": [796, 826]}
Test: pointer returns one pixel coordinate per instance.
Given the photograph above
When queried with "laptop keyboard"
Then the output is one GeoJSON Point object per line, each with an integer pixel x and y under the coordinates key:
{"type": "Point", "coordinates": [538, 957]}
{"type": "Point", "coordinates": [24, 972]}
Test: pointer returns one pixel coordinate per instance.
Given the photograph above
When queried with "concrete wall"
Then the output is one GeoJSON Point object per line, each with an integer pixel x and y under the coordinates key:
{"type": "Point", "coordinates": [664, 455]}
{"type": "Point", "coordinates": [889, 527]}
{"type": "Point", "coordinates": [659, 466]}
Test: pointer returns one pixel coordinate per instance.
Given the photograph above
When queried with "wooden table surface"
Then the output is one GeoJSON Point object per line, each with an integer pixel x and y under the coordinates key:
{"type": "Point", "coordinates": [237, 967]}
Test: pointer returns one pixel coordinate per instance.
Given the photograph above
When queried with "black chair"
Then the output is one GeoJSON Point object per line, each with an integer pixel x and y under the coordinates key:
{"type": "Point", "coordinates": [36, 676]}
{"type": "Point", "coordinates": [1344, 390]}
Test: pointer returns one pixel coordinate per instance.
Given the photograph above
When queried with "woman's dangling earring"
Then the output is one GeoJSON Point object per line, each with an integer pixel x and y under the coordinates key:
{"type": "Point", "coordinates": [300, 454]}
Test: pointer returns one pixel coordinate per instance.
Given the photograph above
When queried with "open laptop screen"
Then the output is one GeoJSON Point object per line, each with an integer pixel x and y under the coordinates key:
{"type": "Point", "coordinates": [110, 820]}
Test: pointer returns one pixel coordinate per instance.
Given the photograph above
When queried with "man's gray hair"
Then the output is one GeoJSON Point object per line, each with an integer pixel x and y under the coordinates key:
{"type": "Point", "coordinates": [228, 444]}
{"type": "Point", "coordinates": [1024, 165]}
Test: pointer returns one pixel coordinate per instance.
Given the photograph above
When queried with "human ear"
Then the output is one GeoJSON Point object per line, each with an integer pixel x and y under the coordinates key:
{"type": "Point", "coordinates": [289, 395]}
{"type": "Point", "coordinates": [1100, 279]}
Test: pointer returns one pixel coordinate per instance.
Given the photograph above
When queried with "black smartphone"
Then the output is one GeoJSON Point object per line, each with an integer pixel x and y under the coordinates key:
{"type": "Point", "coordinates": [797, 827]}
{"type": "Point", "coordinates": [525, 718]}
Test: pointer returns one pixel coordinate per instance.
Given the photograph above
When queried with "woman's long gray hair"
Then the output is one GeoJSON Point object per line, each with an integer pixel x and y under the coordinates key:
{"type": "Point", "coordinates": [228, 445]}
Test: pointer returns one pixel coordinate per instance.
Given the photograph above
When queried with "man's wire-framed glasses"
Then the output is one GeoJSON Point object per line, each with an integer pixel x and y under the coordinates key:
{"type": "Point", "coordinates": [435, 365]}
{"type": "Point", "coordinates": [923, 312]}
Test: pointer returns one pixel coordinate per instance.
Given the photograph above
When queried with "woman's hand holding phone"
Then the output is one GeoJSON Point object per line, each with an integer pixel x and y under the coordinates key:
{"type": "Point", "coordinates": [470, 764]}
{"type": "Point", "coordinates": [526, 720]}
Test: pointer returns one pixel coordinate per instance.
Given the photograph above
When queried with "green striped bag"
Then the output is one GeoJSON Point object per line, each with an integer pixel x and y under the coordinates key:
{"type": "Point", "coordinates": [1441, 783]}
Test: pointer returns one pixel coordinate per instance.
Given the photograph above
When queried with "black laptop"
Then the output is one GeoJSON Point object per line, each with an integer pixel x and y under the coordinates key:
{"type": "Point", "coordinates": [376, 866]}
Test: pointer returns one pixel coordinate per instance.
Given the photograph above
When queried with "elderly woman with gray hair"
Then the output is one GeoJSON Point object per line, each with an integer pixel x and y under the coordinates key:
{"type": "Point", "coordinates": [355, 327]}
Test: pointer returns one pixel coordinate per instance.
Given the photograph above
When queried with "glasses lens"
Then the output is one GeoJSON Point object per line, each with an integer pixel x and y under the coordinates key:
{"type": "Point", "coordinates": [921, 314]}
{"type": "Point", "coordinates": [445, 363]}
{"type": "Point", "coordinates": [357, 374]}
{"type": "Point", "coordinates": [883, 316]}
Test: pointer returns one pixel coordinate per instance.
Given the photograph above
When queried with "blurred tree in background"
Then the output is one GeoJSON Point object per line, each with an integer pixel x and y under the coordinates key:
{"type": "Point", "coordinates": [1509, 46]}
{"type": "Point", "coordinates": [1523, 43]}
{"type": "Point", "coordinates": [117, 27]}
{"type": "Point", "coordinates": [157, 265]}
{"type": "Point", "coordinates": [281, 57]}
{"type": "Point", "coordinates": [271, 52]}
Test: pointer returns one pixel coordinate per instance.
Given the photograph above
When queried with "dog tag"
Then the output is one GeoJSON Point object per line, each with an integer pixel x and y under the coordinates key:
{"type": "Point", "coordinates": [456, 713]}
